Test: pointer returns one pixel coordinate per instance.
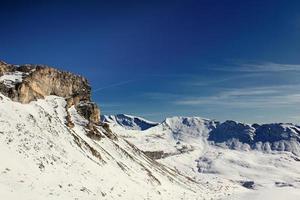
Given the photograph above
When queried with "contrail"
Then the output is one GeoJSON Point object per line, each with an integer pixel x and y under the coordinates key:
{"type": "Point", "coordinates": [128, 81]}
{"type": "Point", "coordinates": [114, 85]}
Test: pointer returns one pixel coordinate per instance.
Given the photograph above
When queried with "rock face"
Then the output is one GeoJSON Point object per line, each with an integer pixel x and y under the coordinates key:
{"type": "Point", "coordinates": [89, 110]}
{"type": "Point", "coordinates": [40, 81]}
{"type": "Point", "coordinates": [26, 83]}
{"type": "Point", "coordinates": [44, 81]}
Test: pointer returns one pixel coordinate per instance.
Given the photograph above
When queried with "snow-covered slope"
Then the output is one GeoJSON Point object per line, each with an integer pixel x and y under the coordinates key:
{"type": "Point", "coordinates": [230, 155]}
{"type": "Point", "coordinates": [187, 128]}
{"type": "Point", "coordinates": [42, 158]}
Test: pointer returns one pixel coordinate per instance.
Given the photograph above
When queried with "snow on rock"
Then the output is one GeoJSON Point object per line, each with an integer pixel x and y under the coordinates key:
{"type": "Point", "coordinates": [10, 79]}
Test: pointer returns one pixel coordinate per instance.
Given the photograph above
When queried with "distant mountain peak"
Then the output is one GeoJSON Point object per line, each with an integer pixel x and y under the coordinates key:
{"type": "Point", "coordinates": [129, 122]}
{"type": "Point", "coordinates": [231, 134]}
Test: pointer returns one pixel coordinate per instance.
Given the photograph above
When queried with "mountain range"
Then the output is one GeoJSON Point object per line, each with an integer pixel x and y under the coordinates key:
{"type": "Point", "coordinates": [55, 145]}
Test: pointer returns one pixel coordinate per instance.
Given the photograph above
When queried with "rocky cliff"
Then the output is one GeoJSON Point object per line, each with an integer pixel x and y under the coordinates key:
{"type": "Point", "coordinates": [26, 83]}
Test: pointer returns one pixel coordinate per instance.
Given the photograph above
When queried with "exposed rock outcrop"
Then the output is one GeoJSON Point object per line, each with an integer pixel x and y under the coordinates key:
{"type": "Point", "coordinates": [89, 110]}
{"type": "Point", "coordinates": [26, 83]}
{"type": "Point", "coordinates": [4, 67]}
{"type": "Point", "coordinates": [155, 154]}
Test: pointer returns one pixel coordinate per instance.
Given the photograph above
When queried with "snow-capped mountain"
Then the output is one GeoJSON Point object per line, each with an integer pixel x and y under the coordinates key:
{"type": "Point", "coordinates": [128, 121]}
{"type": "Point", "coordinates": [262, 158]}
{"type": "Point", "coordinates": [186, 128]}
{"type": "Point", "coordinates": [230, 134]}
{"type": "Point", "coordinates": [265, 137]}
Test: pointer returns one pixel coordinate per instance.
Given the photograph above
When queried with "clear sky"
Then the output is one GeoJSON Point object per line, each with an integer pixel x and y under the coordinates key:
{"type": "Point", "coordinates": [219, 59]}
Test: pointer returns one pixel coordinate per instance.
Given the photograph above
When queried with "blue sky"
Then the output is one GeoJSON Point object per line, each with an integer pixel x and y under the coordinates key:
{"type": "Point", "coordinates": [220, 59]}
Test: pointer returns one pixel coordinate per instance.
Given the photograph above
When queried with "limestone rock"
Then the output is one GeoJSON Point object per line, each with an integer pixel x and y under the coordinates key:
{"type": "Point", "coordinates": [45, 81]}
{"type": "Point", "coordinates": [4, 67]}
{"type": "Point", "coordinates": [26, 83]}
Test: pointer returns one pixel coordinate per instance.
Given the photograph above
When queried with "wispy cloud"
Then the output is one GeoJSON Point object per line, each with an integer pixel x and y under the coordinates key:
{"type": "Point", "coordinates": [254, 97]}
{"type": "Point", "coordinates": [269, 67]}
{"type": "Point", "coordinates": [222, 80]}
{"type": "Point", "coordinates": [258, 67]}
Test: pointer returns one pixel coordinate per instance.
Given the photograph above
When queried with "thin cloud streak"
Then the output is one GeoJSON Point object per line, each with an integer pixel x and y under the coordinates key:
{"type": "Point", "coordinates": [113, 85]}
{"type": "Point", "coordinates": [256, 97]}
{"type": "Point", "coordinates": [222, 80]}
{"type": "Point", "coordinates": [259, 67]}
{"type": "Point", "coordinates": [269, 67]}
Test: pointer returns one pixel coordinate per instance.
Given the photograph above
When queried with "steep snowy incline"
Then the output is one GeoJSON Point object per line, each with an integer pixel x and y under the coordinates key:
{"type": "Point", "coordinates": [42, 158]}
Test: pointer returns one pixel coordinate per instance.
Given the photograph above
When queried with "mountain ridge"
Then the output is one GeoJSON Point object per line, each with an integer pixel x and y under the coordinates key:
{"type": "Point", "coordinates": [188, 145]}
{"type": "Point", "coordinates": [237, 135]}
{"type": "Point", "coordinates": [54, 146]}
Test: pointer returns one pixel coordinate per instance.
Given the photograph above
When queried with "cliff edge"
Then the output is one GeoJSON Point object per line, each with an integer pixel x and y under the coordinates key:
{"type": "Point", "coordinates": [26, 83]}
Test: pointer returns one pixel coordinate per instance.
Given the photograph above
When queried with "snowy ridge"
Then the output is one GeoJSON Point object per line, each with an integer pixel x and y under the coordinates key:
{"type": "Point", "coordinates": [229, 134]}
{"type": "Point", "coordinates": [265, 137]}
{"type": "Point", "coordinates": [185, 128]}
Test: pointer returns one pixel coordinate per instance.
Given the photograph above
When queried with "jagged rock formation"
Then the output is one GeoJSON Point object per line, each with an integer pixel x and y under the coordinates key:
{"type": "Point", "coordinates": [26, 83]}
